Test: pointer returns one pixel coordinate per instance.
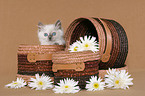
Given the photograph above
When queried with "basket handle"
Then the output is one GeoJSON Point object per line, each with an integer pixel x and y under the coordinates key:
{"type": "Point", "coordinates": [33, 57]}
{"type": "Point", "coordinates": [106, 55]}
{"type": "Point", "coordinates": [73, 66]}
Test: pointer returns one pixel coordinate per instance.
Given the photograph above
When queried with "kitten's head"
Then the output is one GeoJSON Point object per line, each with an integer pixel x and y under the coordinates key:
{"type": "Point", "coordinates": [50, 32]}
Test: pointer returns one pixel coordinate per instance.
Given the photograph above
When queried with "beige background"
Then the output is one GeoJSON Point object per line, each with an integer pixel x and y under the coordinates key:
{"type": "Point", "coordinates": [18, 25]}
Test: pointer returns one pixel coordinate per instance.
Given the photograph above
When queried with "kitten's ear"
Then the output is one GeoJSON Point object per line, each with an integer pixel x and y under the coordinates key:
{"type": "Point", "coordinates": [40, 25]}
{"type": "Point", "coordinates": [58, 24]}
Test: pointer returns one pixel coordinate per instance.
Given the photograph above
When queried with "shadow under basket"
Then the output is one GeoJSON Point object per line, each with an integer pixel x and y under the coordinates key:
{"type": "Point", "coordinates": [33, 59]}
{"type": "Point", "coordinates": [79, 66]}
{"type": "Point", "coordinates": [111, 36]}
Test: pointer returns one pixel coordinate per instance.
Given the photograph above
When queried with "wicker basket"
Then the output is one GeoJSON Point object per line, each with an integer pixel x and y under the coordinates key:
{"type": "Point", "coordinates": [75, 65]}
{"type": "Point", "coordinates": [33, 59]}
{"type": "Point", "coordinates": [111, 36]}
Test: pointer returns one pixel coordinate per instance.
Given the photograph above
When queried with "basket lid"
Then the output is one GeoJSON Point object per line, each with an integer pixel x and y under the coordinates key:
{"type": "Point", "coordinates": [66, 57]}
{"type": "Point", "coordinates": [25, 49]}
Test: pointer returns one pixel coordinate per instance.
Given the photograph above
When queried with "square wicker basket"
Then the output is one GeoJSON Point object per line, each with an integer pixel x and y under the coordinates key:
{"type": "Point", "coordinates": [33, 59]}
{"type": "Point", "coordinates": [79, 66]}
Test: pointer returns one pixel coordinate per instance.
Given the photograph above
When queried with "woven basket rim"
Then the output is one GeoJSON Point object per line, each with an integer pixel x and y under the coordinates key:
{"type": "Point", "coordinates": [97, 27]}
{"type": "Point", "coordinates": [68, 52]}
{"type": "Point", "coordinates": [28, 48]}
{"type": "Point", "coordinates": [27, 45]}
{"type": "Point", "coordinates": [75, 57]}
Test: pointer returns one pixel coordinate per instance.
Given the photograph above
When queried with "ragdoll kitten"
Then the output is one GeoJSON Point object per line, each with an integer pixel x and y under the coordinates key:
{"type": "Point", "coordinates": [51, 34]}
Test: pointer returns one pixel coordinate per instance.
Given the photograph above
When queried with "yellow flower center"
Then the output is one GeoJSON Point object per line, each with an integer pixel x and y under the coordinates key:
{"type": "Point", "coordinates": [86, 45]}
{"type": "Point", "coordinates": [75, 48]}
{"type": "Point", "coordinates": [96, 85]}
{"type": "Point", "coordinates": [15, 83]}
{"type": "Point", "coordinates": [117, 82]}
{"type": "Point", "coordinates": [66, 86]}
{"type": "Point", "coordinates": [40, 83]}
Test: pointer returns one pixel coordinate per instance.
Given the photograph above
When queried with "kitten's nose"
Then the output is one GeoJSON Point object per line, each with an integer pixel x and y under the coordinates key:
{"type": "Point", "coordinates": [50, 37]}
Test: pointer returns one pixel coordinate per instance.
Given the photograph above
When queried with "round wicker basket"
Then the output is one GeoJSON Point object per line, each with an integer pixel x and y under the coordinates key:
{"type": "Point", "coordinates": [111, 36]}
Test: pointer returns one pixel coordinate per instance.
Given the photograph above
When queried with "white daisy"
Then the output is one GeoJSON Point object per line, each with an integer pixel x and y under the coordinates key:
{"type": "Point", "coordinates": [122, 80]}
{"type": "Point", "coordinates": [75, 47]}
{"type": "Point", "coordinates": [95, 84]}
{"type": "Point", "coordinates": [19, 83]}
{"type": "Point", "coordinates": [67, 86]}
{"type": "Point", "coordinates": [111, 73]}
{"type": "Point", "coordinates": [40, 83]}
{"type": "Point", "coordinates": [89, 43]}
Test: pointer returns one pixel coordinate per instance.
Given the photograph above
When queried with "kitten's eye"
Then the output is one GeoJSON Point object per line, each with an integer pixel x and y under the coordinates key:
{"type": "Point", "coordinates": [45, 34]}
{"type": "Point", "coordinates": [54, 33]}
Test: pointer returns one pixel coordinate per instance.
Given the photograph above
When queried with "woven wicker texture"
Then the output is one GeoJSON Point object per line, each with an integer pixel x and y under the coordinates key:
{"type": "Point", "coordinates": [94, 27]}
{"type": "Point", "coordinates": [91, 68]}
{"type": "Point", "coordinates": [90, 59]}
{"type": "Point", "coordinates": [120, 46]}
{"type": "Point", "coordinates": [25, 49]}
{"type": "Point", "coordinates": [82, 80]}
{"type": "Point", "coordinates": [31, 68]}
{"type": "Point", "coordinates": [85, 26]}
{"type": "Point", "coordinates": [74, 57]}
{"type": "Point", "coordinates": [123, 41]}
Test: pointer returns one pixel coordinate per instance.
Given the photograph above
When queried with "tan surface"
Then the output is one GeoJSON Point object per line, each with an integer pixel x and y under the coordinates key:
{"type": "Point", "coordinates": [18, 25]}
